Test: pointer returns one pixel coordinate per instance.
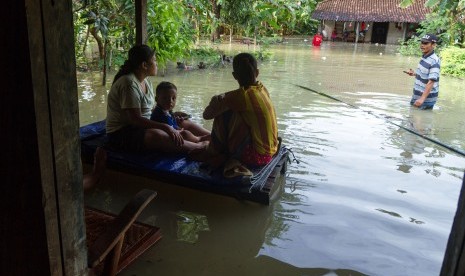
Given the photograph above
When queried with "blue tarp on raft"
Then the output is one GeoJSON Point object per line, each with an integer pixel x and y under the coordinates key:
{"type": "Point", "coordinates": [179, 169]}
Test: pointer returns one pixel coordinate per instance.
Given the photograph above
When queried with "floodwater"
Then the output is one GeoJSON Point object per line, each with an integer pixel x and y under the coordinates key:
{"type": "Point", "coordinates": [366, 198]}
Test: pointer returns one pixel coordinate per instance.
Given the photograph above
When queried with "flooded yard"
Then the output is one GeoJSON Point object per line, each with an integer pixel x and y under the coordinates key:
{"type": "Point", "coordinates": [366, 198]}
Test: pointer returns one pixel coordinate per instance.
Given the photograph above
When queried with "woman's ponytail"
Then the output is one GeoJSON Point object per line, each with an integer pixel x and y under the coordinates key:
{"type": "Point", "coordinates": [137, 54]}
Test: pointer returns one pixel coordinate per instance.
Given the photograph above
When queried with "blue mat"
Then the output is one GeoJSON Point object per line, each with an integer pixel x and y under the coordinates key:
{"type": "Point", "coordinates": [179, 169]}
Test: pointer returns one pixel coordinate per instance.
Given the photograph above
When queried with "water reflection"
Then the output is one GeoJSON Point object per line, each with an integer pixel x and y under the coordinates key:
{"type": "Point", "coordinates": [367, 198]}
{"type": "Point", "coordinates": [189, 226]}
{"type": "Point", "coordinates": [419, 121]}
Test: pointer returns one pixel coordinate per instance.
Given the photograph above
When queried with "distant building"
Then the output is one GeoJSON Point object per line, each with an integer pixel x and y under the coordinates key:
{"type": "Point", "coordinates": [385, 20]}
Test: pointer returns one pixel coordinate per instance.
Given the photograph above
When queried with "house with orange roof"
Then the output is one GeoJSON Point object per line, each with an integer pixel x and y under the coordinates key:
{"type": "Point", "coordinates": [375, 21]}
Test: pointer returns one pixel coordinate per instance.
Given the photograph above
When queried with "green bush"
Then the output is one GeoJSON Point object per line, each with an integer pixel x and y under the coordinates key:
{"type": "Point", "coordinates": [169, 32]}
{"type": "Point", "coordinates": [453, 61]}
{"type": "Point", "coordinates": [410, 47]}
{"type": "Point", "coordinates": [269, 40]}
{"type": "Point", "coordinates": [210, 56]}
{"type": "Point", "coordinates": [263, 54]}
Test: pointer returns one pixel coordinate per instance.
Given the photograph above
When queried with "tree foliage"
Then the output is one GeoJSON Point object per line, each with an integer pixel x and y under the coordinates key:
{"type": "Point", "coordinates": [169, 31]}
{"type": "Point", "coordinates": [447, 21]}
{"type": "Point", "coordinates": [176, 26]}
{"type": "Point", "coordinates": [452, 29]}
{"type": "Point", "coordinates": [284, 17]}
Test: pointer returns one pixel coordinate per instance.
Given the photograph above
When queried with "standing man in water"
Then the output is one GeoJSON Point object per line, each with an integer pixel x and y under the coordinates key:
{"type": "Point", "coordinates": [426, 87]}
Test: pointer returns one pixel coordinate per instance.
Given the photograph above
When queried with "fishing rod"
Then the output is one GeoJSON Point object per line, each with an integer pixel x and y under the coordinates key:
{"type": "Point", "coordinates": [386, 118]}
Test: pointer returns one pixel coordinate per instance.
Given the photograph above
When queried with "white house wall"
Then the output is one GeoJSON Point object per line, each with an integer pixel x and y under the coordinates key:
{"type": "Point", "coordinates": [394, 34]}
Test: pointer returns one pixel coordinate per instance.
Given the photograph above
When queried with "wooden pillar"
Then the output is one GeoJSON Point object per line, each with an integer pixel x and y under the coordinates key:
{"type": "Point", "coordinates": [404, 26]}
{"type": "Point", "coordinates": [42, 225]}
{"type": "Point", "coordinates": [454, 258]}
{"type": "Point", "coordinates": [141, 21]}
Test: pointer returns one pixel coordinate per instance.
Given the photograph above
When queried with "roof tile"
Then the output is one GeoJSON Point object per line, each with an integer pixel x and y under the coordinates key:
{"type": "Point", "coordinates": [370, 10]}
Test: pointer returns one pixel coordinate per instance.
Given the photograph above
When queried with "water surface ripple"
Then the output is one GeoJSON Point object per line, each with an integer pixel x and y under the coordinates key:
{"type": "Point", "coordinates": [367, 198]}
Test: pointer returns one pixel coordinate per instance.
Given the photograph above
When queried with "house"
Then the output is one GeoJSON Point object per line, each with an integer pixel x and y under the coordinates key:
{"type": "Point", "coordinates": [385, 21]}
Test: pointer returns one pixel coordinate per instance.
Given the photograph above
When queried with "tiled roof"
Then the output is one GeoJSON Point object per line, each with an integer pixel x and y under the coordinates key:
{"type": "Point", "coordinates": [370, 10]}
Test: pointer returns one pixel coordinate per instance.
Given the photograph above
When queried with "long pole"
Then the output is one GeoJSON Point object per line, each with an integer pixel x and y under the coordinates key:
{"type": "Point", "coordinates": [386, 118]}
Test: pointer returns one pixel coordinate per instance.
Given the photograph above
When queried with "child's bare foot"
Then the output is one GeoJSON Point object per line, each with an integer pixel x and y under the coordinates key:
{"type": "Point", "coordinates": [205, 138]}
{"type": "Point", "coordinates": [204, 144]}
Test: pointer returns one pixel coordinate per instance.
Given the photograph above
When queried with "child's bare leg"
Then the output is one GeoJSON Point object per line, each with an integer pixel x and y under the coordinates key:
{"type": "Point", "coordinates": [192, 142]}
{"type": "Point", "coordinates": [205, 138]}
{"type": "Point", "coordinates": [187, 135]}
{"type": "Point", "coordinates": [194, 128]}
{"type": "Point", "coordinates": [189, 146]}
{"type": "Point", "coordinates": [156, 139]}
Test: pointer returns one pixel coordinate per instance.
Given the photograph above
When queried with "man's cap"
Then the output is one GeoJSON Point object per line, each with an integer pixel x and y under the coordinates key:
{"type": "Point", "coordinates": [429, 38]}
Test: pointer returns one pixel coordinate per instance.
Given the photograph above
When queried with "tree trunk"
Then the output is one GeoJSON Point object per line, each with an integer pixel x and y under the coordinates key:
{"type": "Point", "coordinates": [216, 11]}
{"type": "Point", "coordinates": [85, 43]}
{"type": "Point", "coordinates": [99, 40]}
{"type": "Point", "coordinates": [199, 32]}
{"type": "Point", "coordinates": [104, 69]}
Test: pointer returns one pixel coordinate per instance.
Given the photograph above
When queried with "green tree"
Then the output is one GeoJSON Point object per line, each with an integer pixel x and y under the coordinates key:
{"type": "Point", "coordinates": [236, 13]}
{"type": "Point", "coordinates": [292, 16]}
{"type": "Point", "coordinates": [169, 31]}
{"type": "Point", "coordinates": [269, 17]}
{"type": "Point", "coordinates": [446, 20]}
{"type": "Point", "coordinates": [453, 11]}
{"type": "Point", "coordinates": [104, 20]}
{"type": "Point", "coordinates": [174, 26]}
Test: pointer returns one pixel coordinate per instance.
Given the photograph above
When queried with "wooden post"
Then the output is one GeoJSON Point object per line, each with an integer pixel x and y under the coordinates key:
{"type": "Point", "coordinates": [23, 234]}
{"type": "Point", "coordinates": [404, 35]}
{"type": "Point", "coordinates": [454, 258]}
{"type": "Point", "coordinates": [42, 223]}
{"type": "Point", "coordinates": [141, 21]}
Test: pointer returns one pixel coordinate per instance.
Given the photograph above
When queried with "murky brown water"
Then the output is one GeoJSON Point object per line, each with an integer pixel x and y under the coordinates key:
{"type": "Point", "coordinates": [367, 197]}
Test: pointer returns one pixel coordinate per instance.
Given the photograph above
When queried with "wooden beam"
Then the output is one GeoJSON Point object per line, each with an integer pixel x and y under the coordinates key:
{"type": "Point", "coordinates": [22, 224]}
{"type": "Point", "coordinates": [40, 99]}
{"type": "Point", "coordinates": [141, 21]}
{"type": "Point", "coordinates": [454, 258]}
{"type": "Point", "coordinates": [63, 132]}
{"type": "Point", "coordinates": [43, 229]}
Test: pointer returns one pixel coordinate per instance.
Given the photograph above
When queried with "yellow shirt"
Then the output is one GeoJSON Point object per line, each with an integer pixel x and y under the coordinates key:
{"type": "Point", "coordinates": [255, 107]}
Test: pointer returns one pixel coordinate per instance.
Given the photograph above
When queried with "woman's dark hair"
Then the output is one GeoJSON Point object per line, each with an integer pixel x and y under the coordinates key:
{"type": "Point", "coordinates": [245, 66]}
{"type": "Point", "coordinates": [137, 54]}
{"type": "Point", "coordinates": [163, 86]}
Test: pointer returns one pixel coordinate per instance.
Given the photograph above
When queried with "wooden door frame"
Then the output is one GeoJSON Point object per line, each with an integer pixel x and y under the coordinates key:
{"type": "Point", "coordinates": [43, 231]}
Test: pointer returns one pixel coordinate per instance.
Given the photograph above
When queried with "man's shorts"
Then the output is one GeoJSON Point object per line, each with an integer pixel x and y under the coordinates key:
{"type": "Point", "coordinates": [424, 106]}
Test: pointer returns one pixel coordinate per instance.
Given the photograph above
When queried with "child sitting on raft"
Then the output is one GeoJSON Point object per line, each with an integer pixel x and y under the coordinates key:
{"type": "Point", "coordinates": [244, 126]}
{"type": "Point", "coordinates": [165, 98]}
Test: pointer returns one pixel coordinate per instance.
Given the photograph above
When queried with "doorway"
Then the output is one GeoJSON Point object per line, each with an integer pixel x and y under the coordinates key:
{"type": "Point", "coordinates": [379, 32]}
